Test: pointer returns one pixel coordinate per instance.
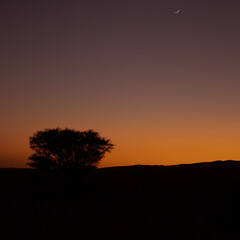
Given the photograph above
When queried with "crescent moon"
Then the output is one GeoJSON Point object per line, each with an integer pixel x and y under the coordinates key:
{"type": "Point", "coordinates": [178, 11]}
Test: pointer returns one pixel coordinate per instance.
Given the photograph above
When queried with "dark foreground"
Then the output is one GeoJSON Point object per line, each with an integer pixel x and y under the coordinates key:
{"type": "Point", "coordinates": [197, 201]}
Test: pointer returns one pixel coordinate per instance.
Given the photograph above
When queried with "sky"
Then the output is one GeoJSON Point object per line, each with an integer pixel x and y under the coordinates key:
{"type": "Point", "coordinates": [164, 87]}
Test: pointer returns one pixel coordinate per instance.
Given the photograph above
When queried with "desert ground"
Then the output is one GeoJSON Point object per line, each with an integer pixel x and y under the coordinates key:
{"type": "Point", "coordinates": [189, 201]}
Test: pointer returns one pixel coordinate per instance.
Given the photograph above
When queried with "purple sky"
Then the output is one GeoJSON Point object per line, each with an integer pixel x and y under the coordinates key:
{"type": "Point", "coordinates": [133, 70]}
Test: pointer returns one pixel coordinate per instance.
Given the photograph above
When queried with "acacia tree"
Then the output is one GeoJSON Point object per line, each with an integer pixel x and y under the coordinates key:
{"type": "Point", "coordinates": [67, 149]}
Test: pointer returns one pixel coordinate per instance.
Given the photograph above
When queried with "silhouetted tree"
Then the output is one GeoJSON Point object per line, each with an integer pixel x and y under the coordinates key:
{"type": "Point", "coordinates": [67, 149]}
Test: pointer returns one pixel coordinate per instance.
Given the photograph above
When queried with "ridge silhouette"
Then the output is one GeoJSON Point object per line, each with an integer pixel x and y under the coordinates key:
{"type": "Point", "coordinates": [189, 201]}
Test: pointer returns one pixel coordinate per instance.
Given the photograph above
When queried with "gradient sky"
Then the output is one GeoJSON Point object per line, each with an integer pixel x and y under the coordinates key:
{"type": "Point", "coordinates": [163, 86]}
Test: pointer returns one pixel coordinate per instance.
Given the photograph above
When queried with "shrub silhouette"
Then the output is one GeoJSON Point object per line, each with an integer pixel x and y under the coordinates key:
{"type": "Point", "coordinates": [67, 149]}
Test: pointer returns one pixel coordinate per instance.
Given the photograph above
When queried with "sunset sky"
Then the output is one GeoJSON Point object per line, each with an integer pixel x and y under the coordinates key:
{"type": "Point", "coordinates": [164, 87]}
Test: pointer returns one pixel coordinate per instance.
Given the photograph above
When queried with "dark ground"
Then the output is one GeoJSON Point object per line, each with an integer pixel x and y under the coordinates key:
{"type": "Point", "coordinates": [196, 201]}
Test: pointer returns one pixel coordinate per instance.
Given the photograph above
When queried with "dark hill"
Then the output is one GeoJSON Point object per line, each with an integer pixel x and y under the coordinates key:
{"type": "Point", "coordinates": [190, 201]}
{"type": "Point", "coordinates": [208, 171]}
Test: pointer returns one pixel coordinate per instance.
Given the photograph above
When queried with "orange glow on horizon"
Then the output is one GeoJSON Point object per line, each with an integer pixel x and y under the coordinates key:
{"type": "Point", "coordinates": [154, 145]}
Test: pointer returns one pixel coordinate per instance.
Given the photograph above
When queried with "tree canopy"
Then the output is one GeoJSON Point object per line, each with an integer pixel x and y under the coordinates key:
{"type": "Point", "coordinates": [67, 149]}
